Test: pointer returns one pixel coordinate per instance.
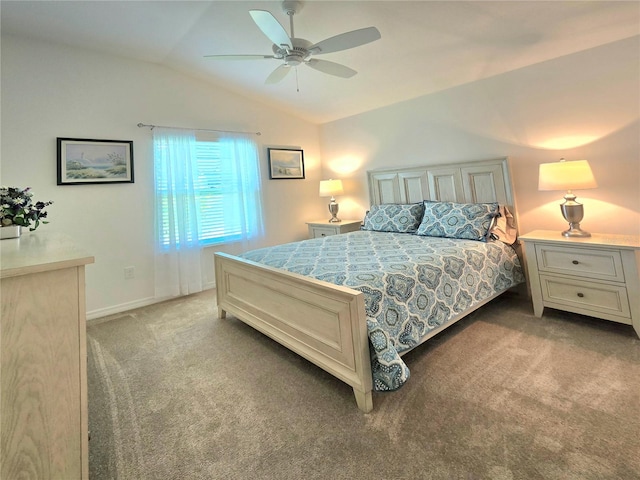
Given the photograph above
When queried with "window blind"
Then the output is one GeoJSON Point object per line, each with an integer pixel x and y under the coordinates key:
{"type": "Point", "coordinates": [217, 195]}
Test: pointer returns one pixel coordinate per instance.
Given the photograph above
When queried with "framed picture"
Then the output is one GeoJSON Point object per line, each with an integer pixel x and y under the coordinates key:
{"type": "Point", "coordinates": [285, 163]}
{"type": "Point", "coordinates": [82, 161]}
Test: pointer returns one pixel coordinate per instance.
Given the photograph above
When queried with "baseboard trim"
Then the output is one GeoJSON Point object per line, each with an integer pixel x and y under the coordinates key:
{"type": "Point", "coordinates": [123, 307]}
{"type": "Point", "coordinates": [143, 302]}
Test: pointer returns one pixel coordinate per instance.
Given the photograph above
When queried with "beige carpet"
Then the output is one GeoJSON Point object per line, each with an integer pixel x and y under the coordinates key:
{"type": "Point", "coordinates": [175, 393]}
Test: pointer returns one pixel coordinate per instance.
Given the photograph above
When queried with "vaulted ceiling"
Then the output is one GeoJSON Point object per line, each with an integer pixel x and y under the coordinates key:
{"type": "Point", "coordinates": [425, 46]}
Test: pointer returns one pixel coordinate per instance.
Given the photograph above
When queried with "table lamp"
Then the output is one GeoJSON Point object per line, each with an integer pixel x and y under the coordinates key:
{"type": "Point", "coordinates": [330, 188]}
{"type": "Point", "coordinates": [569, 176]}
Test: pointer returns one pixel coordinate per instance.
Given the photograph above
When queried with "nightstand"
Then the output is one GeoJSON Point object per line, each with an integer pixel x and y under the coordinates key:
{"type": "Point", "coordinates": [324, 228]}
{"type": "Point", "coordinates": [595, 276]}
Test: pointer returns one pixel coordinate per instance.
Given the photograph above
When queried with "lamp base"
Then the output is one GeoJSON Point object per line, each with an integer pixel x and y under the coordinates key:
{"type": "Point", "coordinates": [574, 231]}
{"type": "Point", "coordinates": [573, 212]}
{"type": "Point", "coordinates": [333, 209]}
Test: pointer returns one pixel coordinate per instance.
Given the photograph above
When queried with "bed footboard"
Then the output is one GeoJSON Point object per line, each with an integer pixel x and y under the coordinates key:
{"type": "Point", "coordinates": [324, 323]}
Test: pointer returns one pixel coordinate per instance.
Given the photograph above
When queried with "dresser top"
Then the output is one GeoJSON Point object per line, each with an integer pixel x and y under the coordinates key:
{"type": "Point", "coordinates": [596, 239]}
{"type": "Point", "coordinates": [40, 251]}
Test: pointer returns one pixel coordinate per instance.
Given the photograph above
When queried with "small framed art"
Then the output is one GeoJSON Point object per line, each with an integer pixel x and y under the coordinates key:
{"type": "Point", "coordinates": [84, 161]}
{"type": "Point", "coordinates": [285, 163]}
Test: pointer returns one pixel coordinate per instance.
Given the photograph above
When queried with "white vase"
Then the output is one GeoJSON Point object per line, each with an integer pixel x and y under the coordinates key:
{"type": "Point", "coordinates": [10, 231]}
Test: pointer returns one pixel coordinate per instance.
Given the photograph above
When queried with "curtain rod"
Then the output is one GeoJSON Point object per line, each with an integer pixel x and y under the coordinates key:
{"type": "Point", "coordinates": [141, 125]}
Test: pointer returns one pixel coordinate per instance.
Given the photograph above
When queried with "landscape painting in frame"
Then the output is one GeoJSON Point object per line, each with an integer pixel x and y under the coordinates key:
{"type": "Point", "coordinates": [84, 161]}
{"type": "Point", "coordinates": [285, 163]}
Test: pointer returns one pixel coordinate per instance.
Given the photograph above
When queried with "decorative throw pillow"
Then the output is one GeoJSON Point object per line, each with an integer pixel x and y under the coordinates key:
{"type": "Point", "coordinates": [470, 221]}
{"type": "Point", "coordinates": [394, 217]}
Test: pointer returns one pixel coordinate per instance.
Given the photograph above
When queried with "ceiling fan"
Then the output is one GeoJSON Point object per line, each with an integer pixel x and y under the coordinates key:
{"type": "Point", "coordinates": [294, 51]}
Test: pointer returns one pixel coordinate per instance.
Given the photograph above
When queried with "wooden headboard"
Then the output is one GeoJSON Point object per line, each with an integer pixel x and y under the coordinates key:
{"type": "Point", "coordinates": [470, 182]}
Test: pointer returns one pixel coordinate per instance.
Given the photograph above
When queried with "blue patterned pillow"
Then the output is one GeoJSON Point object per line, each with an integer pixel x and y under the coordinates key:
{"type": "Point", "coordinates": [394, 217]}
{"type": "Point", "coordinates": [470, 221]}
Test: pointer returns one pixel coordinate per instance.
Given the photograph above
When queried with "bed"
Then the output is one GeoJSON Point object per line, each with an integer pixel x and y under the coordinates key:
{"type": "Point", "coordinates": [354, 303]}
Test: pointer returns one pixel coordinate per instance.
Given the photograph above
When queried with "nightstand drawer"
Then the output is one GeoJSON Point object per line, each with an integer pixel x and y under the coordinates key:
{"type": "Point", "coordinates": [591, 263]}
{"type": "Point", "coordinates": [593, 296]}
{"type": "Point", "coordinates": [317, 232]}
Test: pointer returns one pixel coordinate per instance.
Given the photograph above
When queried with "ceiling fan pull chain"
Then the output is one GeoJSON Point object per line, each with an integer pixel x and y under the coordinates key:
{"type": "Point", "coordinates": [297, 85]}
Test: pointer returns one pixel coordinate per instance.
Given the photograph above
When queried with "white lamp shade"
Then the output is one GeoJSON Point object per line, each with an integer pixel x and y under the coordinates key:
{"type": "Point", "coordinates": [575, 175]}
{"type": "Point", "coordinates": [330, 188]}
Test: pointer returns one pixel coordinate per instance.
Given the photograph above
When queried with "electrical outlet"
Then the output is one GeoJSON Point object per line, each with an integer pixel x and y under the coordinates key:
{"type": "Point", "coordinates": [129, 272]}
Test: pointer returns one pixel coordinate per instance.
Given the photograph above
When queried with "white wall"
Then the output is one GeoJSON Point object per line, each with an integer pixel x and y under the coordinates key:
{"type": "Point", "coordinates": [581, 106]}
{"type": "Point", "coordinates": [53, 91]}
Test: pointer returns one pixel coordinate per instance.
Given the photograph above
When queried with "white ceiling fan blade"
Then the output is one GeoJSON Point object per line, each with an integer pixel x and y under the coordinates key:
{"type": "Point", "coordinates": [346, 40]}
{"type": "Point", "coordinates": [239, 57]}
{"type": "Point", "coordinates": [331, 68]}
{"type": "Point", "coordinates": [278, 74]}
{"type": "Point", "coordinates": [270, 27]}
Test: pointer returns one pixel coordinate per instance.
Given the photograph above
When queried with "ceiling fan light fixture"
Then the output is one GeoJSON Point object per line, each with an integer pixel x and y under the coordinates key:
{"type": "Point", "coordinates": [293, 60]}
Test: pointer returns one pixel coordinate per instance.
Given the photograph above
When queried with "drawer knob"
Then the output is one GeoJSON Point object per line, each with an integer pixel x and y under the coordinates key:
{"type": "Point", "coordinates": [323, 234]}
{"type": "Point", "coordinates": [580, 294]}
{"type": "Point", "coordinates": [575, 262]}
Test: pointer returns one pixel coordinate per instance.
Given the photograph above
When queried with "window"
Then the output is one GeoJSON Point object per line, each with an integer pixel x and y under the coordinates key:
{"type": "Point", "coordinates": [214, 198]}
{"type": "Point", "coordinates": [216, 189]}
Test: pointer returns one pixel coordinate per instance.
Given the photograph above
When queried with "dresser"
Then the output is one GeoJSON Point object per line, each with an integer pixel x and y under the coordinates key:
{"type": "Point", "coordinates": [43, 369]}
{"type": "Point", "coordinates": [595, 276]}
{"type": "Point", "coordinates": [324, 228]}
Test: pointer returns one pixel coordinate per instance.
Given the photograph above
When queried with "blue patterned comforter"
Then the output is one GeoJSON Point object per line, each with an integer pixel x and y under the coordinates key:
{"type": "Point", "coordinates": [412, 284]}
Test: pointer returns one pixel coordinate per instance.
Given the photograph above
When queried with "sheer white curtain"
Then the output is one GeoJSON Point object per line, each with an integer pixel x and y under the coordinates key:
{"type": "Point", "coordinates": [241, 163]}
{"type": "Point", "coordinates": [203, 196]}
{"type": "Point", "coordinates": [178, 266]}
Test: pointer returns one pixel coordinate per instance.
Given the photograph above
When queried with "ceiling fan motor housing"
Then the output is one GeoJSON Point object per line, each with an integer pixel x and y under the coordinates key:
{"type": "Point", "coordinates": [299, 53]}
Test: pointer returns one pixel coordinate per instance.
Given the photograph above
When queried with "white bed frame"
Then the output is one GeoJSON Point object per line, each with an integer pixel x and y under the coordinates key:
{"type": "Point", "coordinates": [326, 323]}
